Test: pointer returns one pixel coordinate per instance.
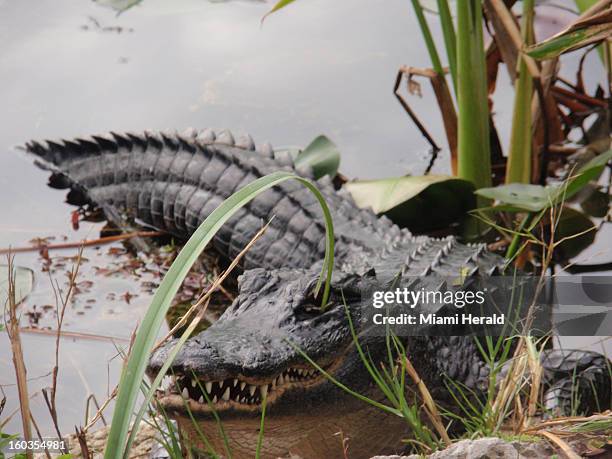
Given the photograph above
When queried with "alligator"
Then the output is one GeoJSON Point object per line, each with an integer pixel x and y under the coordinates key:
{"type": "Point", "coordinates": [256, 350]}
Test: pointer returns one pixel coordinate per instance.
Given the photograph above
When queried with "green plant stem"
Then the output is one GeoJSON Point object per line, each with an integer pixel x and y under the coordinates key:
{"type": "Point", "coordinates": [473, 123]}
{"type": "Point", "coordinates": [260, 436]}
{"type": "Point", "coordinates": [516, 239]}
{"type": "Point", "coordinates": [519, 153]}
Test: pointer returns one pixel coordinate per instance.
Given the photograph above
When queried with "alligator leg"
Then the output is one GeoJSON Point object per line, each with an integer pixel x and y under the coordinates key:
{"type": "Point", "coordinates": [577, 382]}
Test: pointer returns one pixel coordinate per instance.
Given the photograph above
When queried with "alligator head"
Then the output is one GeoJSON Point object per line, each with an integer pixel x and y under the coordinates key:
{"type": "Point", "coordinates": [256, 349]}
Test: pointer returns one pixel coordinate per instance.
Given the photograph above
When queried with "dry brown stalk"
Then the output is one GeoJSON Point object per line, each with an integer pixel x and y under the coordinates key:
{"type": "Point", "coordinates": [606, 415]}
{"type": "Point", "coordinates": [83, 243]}
{"type": "Point", "coordinates": [70, 334]}
{"type": "Point", "coordinates": [567, 450]}
{"type": "Point", "coordinates": [12, 328]}
{"type": "Point", "coordinates": [46, 450]}
{"type": "Point", "coordinates": [445, 103]}
{"type": "Point", "coordinates": [508, 36]}
{"type": "Point", "coordinates": [430, 406]}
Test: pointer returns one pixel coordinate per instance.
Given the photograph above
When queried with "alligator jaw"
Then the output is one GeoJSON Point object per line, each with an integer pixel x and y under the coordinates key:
{"type": "Point", "coordinates": [240, 393]}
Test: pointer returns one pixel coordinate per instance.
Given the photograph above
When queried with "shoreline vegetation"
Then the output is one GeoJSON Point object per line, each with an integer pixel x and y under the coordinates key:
{"type": "Point", "coordinates": [530, 202]}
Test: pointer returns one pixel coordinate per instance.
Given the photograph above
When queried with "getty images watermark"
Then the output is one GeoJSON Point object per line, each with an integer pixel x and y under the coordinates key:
{"type": "Point", "coordinates": [494, 306]}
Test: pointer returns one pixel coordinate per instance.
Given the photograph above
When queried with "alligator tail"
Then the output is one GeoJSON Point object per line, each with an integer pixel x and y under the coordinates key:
{"type": "Point", "coordinates": [172, 182]}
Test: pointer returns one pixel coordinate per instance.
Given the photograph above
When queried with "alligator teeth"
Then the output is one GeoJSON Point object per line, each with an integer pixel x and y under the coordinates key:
{"type": "Point", "coordinates": [208, 386]}
{"type": "Point", "coordinates": [252, 390]}
{"type": "Point", "coordinates": [243, 400]}
{"type": "Point", "coordinates": [235, 382]}
{"type": "Point", "coordinates": [263, 390]}
{"type": "Point", "coordinates": [214, 400]}
{"type": "Point", "coordinates": [242, 385]}
{"type": "Point", "coordinates": [185, 393]}
{"type": "Point", "coordinates": [280, 380]}
{"type": "Point", "coordinates": [194, 383]}
{"type": "Point", "coordinates": [201, 399]}
{"type": "Point", "coordinates": [226, 394]}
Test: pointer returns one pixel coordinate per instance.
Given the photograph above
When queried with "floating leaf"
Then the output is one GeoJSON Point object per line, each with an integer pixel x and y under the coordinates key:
{"type": "Point", "coordinates": [322, 155]}
{"type": "Point", "coordinates": [419, 203]}
{"type": "Point", "coordinates": [24, 283]}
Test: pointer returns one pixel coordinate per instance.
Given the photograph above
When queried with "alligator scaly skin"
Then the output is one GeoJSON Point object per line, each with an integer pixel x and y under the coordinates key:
{"type": "Point", "coordinates": [172, 182]}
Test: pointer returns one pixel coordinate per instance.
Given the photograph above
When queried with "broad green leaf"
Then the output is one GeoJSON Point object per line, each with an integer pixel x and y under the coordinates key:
{"type": "Point", "coordinates": [24, 283]}
{"type": "Point", "coordinates": [532, 198]}
{"type": "Point", "coordinates": [417, 202]}
{"type": "Point", "coordinates": [322, 155]}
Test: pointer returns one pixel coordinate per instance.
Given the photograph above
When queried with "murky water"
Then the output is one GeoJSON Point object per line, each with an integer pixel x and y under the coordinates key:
{"type": "Point", "coordinates": [69, 67]}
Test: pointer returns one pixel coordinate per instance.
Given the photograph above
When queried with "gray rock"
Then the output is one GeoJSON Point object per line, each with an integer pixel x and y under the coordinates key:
{"type": "Point", "coordinates": [487, 448]}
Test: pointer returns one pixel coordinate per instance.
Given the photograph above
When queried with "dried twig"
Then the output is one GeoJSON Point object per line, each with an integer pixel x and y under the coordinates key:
{"type": "Point", "coordinates": [430, 406]}
{"type": "Point", "coordinates": [83, 243]}
{"type": "Point", "coordinates": [445, 103]}
{"type": "Point", "coordinates": [567, 450]}
{"type": "Point", "coordinates": [39, 436]}
{"type": "Point", "coordinates": [12, 328]}
{"type": "Point", "coordinates": [81, 437]}
{"type": "Point", "coordinates": [411, 114]}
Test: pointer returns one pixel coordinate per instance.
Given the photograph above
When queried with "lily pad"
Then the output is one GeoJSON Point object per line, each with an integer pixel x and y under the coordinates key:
{"type": "Point", "coordinates": [322, 155]}
{"type": "Point", "coordinates": [24, 283]}
{"type": "Point", "coordinates": [420, 203]}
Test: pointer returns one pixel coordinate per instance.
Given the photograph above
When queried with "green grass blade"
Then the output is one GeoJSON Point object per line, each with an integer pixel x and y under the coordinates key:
{"type": "Point", "coordinates": [450, 38]}
{"type": "Point", "coordinates": [260, 435]}
{"type": "Point", "coordinates": [133, 372]}
{"type": "Point", "coordinates": [429, 41]}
